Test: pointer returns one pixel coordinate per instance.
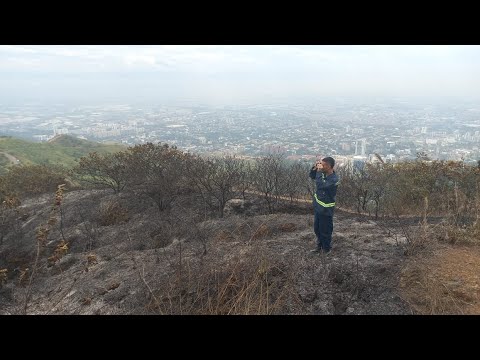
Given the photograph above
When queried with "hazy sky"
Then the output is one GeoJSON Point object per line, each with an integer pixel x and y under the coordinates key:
{"type": "Point", "coordinates": [212, 73]}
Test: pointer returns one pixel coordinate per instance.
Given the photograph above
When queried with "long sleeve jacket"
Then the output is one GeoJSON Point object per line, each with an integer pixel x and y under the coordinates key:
{"type": "Point", "coordinates": [325, 192]}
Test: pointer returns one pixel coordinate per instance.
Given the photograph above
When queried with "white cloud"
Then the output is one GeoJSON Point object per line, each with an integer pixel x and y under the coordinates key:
{"type": "Point", "coordinates": [15, 49]}
{"type": "Point", "coordinates": [139, 59]}
{"type": "Point", "coordinates": [235, 69]}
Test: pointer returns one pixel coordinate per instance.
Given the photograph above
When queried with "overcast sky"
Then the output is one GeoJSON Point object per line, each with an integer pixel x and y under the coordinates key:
{"type": "Point", "coordinates": [235, 73]}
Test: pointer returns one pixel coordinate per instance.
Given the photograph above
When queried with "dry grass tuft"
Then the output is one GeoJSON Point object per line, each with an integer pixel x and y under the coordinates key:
{"type": "Point", "coordinates": [223, 235]}
{"type": "Point", "coordinates": [261, 232]}
{"type": "Point", "coordinates": [467, 235]}
{"type": "Point", "coordinates": [288, 227]}
{"type": "Point", "coordinates": [447, 283]}
{"type": "Point", "coordinates": [92, 259]}
{"type": "Point", "coordinates": [3, 277]}
{"type": "Point", "coordinates": [243, 285]}
{"type": "Point", "coordinates": [112, 212]}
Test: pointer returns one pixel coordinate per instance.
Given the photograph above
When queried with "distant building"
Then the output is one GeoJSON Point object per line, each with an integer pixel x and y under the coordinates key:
{"type": "Point", "coordinates": [360, 147]}
{"type": "Point", "coordinates": [359, 162]}
{"type": "Point", "coordinates": [390, 157]}
{"type": "Point", "coordinates": [41, 137]}
{"type": "Point", "coordinates": [57, 131]}
{"type": "Point", "coordinates": [345, 146]}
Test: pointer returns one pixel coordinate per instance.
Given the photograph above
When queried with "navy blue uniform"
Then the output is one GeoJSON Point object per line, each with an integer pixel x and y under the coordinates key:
{"type": "Point", "coordinates": [324, 205]}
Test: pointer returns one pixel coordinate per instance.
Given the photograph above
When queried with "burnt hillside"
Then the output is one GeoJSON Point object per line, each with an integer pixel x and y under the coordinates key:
{"type": "Point", "coordinates": [240, 264]}
{"type": "Point", "coordinates": [154, 230]}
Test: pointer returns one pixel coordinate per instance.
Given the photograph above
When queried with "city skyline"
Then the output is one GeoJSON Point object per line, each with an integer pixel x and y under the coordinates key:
{"type": "Point", "coordinates": [396, 130]}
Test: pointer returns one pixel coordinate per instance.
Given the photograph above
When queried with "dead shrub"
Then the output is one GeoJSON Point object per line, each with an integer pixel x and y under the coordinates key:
{"type": "Point", "coordinates": [163, 234]}
{"type": "Point", "coordinates": [60, 251]}
{"type": "Point", "coordinates": [92, 259]}
{"type": "Point", "coordinates": [23, 277]}
{"type": "Point", "coordinates": [421, 239]}
{"type": "Point", "coordinates": [112, 212]}
{"type": "Point", "coordinates": [261, 232]}
{"type": "Point", "coordinates": [467, 235]}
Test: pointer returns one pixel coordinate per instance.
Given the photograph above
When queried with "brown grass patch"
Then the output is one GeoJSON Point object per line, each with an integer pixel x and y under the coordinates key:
{"type": "Point", "coordinates": [223, 235]}
{"type": "Point", "coordinates": [113, 286]}
{"type": "Point", "coordinates": [460, 235]}
{"type": "Point", "coordinates": [252, 286]}
{"type": "Point", "coordinates": [3, 276]}
{"type": "Point", "coordinates": [112, 212]}
{"type": "Point", "coordinates": [446, 283]}
{"type": "Point", "coordinates": [288, 227]}
{"type": "Point", "coordinates": [261, 232]}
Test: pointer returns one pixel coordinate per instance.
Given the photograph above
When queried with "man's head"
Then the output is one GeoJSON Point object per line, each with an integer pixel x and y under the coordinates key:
{"type": "Point", "coordinates": [328, 163]}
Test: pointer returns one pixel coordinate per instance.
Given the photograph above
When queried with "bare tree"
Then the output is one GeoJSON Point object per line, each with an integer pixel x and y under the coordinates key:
{"type": "Point", "coordinates": [106, 171]}
{"type": "Point", "coordinates": [244, 177]}
{"type": "Point", "coordinates": [269, 178]}
{"type": "Point", "coordinates": [217, 178]}
{"type": "Point", "coordinates": [355, 189]}
{"type": "Point", "coordinates": [157, 171]}
{"type": "Point", "coordinates": [296, 176]}
{"type": "Point", "coordinates": [308, 185]}
{"type": "Point", "coordinates": [378, 185]}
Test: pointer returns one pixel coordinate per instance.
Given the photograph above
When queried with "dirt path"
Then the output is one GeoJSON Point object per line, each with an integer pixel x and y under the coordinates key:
{"type": "Point", "coordinates": [308, 201]}
{"type": "Point", "coordinates": [13, 160]}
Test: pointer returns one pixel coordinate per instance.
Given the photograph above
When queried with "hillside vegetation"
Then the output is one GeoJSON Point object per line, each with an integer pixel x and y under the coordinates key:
{"type": "Point", "coordinates": [61, 150]}
{"type": "Point", "coordinates": [155, 230]}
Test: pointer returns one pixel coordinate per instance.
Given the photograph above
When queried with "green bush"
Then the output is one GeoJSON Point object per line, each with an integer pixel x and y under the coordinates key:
{"type": "Point", "coordinates": [23, 181]}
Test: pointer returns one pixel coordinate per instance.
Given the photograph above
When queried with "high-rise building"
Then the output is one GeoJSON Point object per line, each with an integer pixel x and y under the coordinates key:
{"type": "Point", "coordinates": [360, 147]}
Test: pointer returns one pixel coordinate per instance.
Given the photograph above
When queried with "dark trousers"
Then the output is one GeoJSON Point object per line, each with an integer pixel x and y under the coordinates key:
{"type": "Point", "coordinates": [323, 227]}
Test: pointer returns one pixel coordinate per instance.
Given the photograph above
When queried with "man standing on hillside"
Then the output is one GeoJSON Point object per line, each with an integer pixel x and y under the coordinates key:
{"type": "Point", "coordinates": [324, 202]}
